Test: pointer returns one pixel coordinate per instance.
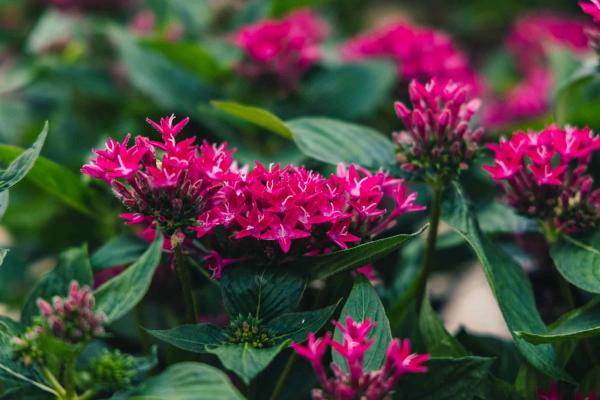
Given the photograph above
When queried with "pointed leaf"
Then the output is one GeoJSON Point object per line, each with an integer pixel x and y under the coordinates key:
{"type": "Point", "coordinates": [438, 341]}
{"type": "Point", "coordinates": [193, 338]}
{"type": "Point", "coordinates": [508, 283]}
{"type": "Point", "coordinates": [72, 265]}
{"type": "Point", "coordinates": [256, 116]}
{"type": "Point", "coordinates": [363, 303]}
{"type": "Point", "coordinates": [20, 166]}
{"type": "Point", "coordinates": [119, 295]}
{"type": "Point", "coordinates": [296, 326]}
{"type": "Point", "coordinates": [121, 250]}
{"type": "Point", "coordinates": [578, 260]}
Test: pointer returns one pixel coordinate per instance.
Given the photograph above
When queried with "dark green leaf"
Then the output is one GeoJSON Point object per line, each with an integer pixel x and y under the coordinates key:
{"type": "Point", "coordinates": [438, 341]}
{"type": "Point", "coordinates": [263, 294]}
{"type": "Point", "coordinates": [256, 116]}
{"type": "Point", "coordinates": [73, 265]}
{"type": "Point", "coordinates": [508, 283]}
{"type": "Point", "coordinates": [348, 91]}
{"type": "Point", "coordinates": [578, 261]}
{"type": "Point", "coordinates": [446, 379]}
{"type": "Point", "coordinates": [4, 200]}
{"type": "Point", "coordinates": [324, 266]}
{"type": "Point", "coordinates": [578, 99]}
{"type": "Point", "coordinates": [193, 338]}
{"type": "Point", "coordinates": [282, 7]}
{"type": "Point", "coordinates": [296, 326]}
{"type": "Point", "coordinates": [245, 360]}
{"type": "Point", "coordinates": [185, 381]}
{"type": "Point", "coordinates": [22, 164]}
{"type": "Point", "coordinates": [362, 304]}
{"type": "Point", "coordinates": [332, 141]}
{"type": "Point", "coordinates": [119, 251]}
{"type": "Point", "coordinates": [120, 294]}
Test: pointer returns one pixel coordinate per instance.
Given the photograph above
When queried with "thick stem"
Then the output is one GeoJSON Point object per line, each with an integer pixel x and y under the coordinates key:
{"type": "Point", "coordinates": [283, 377]}
{"type": "Point", "coordinates": [183, 273]}
{"type": "Point", "coordinates": [434, 221]}
{"type": "Point", "coordinates": [53, 382]}
{"type": "Point", "coordinates": [138, 313]}
{"type": "Point", "coordinates": [69, 378]}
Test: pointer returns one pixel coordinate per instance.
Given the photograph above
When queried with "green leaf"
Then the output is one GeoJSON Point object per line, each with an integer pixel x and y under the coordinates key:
{"type": "Point", "coordinates": [580, 323]}
{"type": "Point", "coordinates": [119, 295]}
{"type": "Point", "coordinates": [263, 294]}
{"type": "Point", "coordinates": [73, 265]}
{"type": "Point", "coordinates": [121, 250]}
{"type": "Point", "coordinates": [350, 90]}
{"type": "Point", "coordinates": [438, 341]}
{"type": "Point", "coordinates": [245, 360]}
{"type": "Point", "coordinates": [194, 338]}
{"type": "Point", "coordinates": [4, 200]}
{"type": "Point", "coordinates": [281, 7]}
{"type": "Point", "coordinates": [324, 266]}
{"type": "Point", "coordinates": [21, 165]}
{"type": "Point", "coordinates": [332, 141]}
{"type": "Point", "coordinates": [256, 116]}
{"type": "Point", "coordinates": [578, 99]}
{"type": "Point", "coordinates": [578, 260]}
{"type": "Point", "coordinates": [446, 379]}
{"type": "Point", "coordinates": [363, 303]}
{"type": "Point", "coordinates": [296, 326]}
{"type": "Point", "coordinates": [508, 283]}
{"type": "Point", "coordinates": [185, 381]}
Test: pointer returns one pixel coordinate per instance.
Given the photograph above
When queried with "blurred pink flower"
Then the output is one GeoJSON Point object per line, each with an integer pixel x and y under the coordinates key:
{"type": "Point", "coordinates": [553, 394]}
{"type": "Point", "coordinates": [592, 9]}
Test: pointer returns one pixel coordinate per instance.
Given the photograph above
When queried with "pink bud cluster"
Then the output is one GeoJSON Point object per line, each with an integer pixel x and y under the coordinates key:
{"type": "Point", "coordinates": [283, 49]}
{"type": "Point", "coordinates": [438, 139]}
{"type": "Point", "coordinates": [267, 214]}
{"type": "Point", "coordinates": [73, 318]}
{"type": "Point", "coordinates": [353, 382]}
{"type": "Point", "coordinates": [420, 53]}
{"type": "Point", "coordinates": [553, 394]}
{"type": "Point", "coordinates": [544, 176]}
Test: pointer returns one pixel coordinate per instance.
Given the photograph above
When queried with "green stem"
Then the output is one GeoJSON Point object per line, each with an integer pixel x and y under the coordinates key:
{"type": "Point", "coordinates": [69, 378]}
{"type": "Point", "coordinates": [183, 273]}
{"type": "Point", "coordinates": [88, 394]}
{"type": "Point", "coordinates": [434, 221]}
{"type": "Point", "coordinates": [138, 313]}
{"type": "Point", "coordinates": [204, 272]}
{"type": "Point", "coordinates": [283, 377]}
{"type": "Point", "coordinates": [54, 383]}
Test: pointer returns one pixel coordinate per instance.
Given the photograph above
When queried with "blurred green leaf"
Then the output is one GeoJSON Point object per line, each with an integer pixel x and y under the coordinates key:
{"type": "Point", "coordinates": [578, 99]}
{"type": "Point", "coordinates": [21, 164]}
{"type": "Point", "coordinates": [578, 260]}
{"type": "Point", "coordinates": [118, 252]}
{"type": "Point", "coordinates": [54, 28]}
{"type": "Point", "coordinates": [255, 115]}
{"type": "Point", "coordinates": [363, 303]}
{"type": "Point", "coordinates": [280, 8]}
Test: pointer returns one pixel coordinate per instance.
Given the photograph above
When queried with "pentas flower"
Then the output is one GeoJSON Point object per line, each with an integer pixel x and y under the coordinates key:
{"type": "Point", "coordinates": [592, 8]}
{"type": "Point", "coordinates": [283, 49]}
{"type": "Point", "coordinates": [438, 140]}
{"type": "Point", "coordinates": [544, 176]}
{"type": "Point", "coordinates": [168, 183]}
{"type": "Point", "coordinates": [420, 53]}
{"type": "Point", "coordinates": [73, 318]}
{"type": "Point", "coordinates": [553, 394]}
{"type": "Point", "coordinates": [353, 382]}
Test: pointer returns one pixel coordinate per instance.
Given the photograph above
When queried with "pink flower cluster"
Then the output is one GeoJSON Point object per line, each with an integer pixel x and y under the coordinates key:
{"type": "Point", "coordinates": [420, 53]}
{"type": "Point", "coordinates": [354, 382]}
{"type": "Point", "coordinates": [438, 139]}
{"type": "Point", "coordinates": [73, 318]}
{"type": "Point", "coordinates": [283, 49]}
{"type": "Point", "coordinates": [592, 9]}
{"type": "Point", "coordinates": [544, 176]}
{"type": "Point", "coordinates": [553, 394]}
{"type": "Point", "coordinates": [201, 192]}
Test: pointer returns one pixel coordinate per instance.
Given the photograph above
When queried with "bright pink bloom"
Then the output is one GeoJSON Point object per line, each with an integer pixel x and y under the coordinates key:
{"type": "Point", "coordinates": [592, 9]}
{"type": "Point", "coordinates": [438, 139]}
{"type": "Point", "coordinates": [420, 53]}
{"type": "Point", "coordinates": [284, 49]}
{"type": "Point", "coordinates": [354, 382]}
{"type": "Point", "coordinates": [544, 175]}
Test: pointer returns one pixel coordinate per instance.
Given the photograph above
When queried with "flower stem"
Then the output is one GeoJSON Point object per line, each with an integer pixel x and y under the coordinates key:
{"type": "Point", "coordinates": [138, 313]}
{"type": "Point", "coordinates": [69, 379]}
{"type": "Point", "coordinates": [54, 383]}
{"type": "Point", "coordinates": [88, 394]}
{"type": "Point", "coordinates": [434, 221]}
{"type": "Point", "coordinates": [283, 377]}
{"type": "Point", "coordinates": [183, 273]}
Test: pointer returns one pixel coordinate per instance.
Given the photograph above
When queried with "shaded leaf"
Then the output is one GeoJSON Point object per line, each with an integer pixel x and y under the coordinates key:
{"type": "Point", "coordinates": [578, 260]}
{"type": "Point", "coordinates": [438, 341]}
{"type": "Point", "coordinates": [21, 164]}
{"type": "Point", "coordinates": [119, 251]}
{"type": "Point", "coordinates": [193, 338]}
{"type": "Point", "coordinates": [296, 326]}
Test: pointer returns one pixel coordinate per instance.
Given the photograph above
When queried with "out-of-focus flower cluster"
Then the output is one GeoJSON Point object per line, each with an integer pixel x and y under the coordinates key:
{"type": "Point", "coordinates": [553, 394]}
{"type": "Point", "coordinates": [544, 176]}
{"type": "Point", "coordinates": [240, 213]}
{"type": "Point", "coordinates": [438, 140]}
{"type": "Point", "coordinates": [283, 49]}
{"type": "Point", "coordinates": [420, 53]}
{"type": "Point", "coordinates": [112, 370]}
{"type": "Point", "coordinates": [352, 382]}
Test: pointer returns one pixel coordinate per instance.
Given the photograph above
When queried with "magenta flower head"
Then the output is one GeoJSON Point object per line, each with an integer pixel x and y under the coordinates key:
{"type": "Point", "coordinates": [72, 318]}
{"type": "Point", "coordinates": [353, 382]}
{"type": "Point", "coordinates": [168, 183]}
{"type": "Point", "coordinates": [438, 141]}
{"type": "Point", "coordinates": [282, 49]}
{"type": "Point", "coordinates": [544, 176]}
{"type": "Point", "coordinates": [591, 8]}
{"type": "Point", "coordinates": [553, 394]}
{"type": "Point", "coordinates": [420, 53]}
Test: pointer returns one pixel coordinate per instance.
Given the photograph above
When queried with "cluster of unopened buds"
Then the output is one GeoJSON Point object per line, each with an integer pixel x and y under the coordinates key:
{"type": "Point", "coordinates": [544, 176]}
{"type": "Point", "coordinates": [553, 394]}
{"type": "Point", "coordinates": [72, 319]}
{"type": "Point", "coordinates": [437, 139]}
{"type": "Point", "coordinates": [204, 194]}
{"type": "Point", "coordinates": [420, 53]}
{"type": "Point", "coordinates": [283, 49]}
{"type": "Point", "coordinates": [352, 382]}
